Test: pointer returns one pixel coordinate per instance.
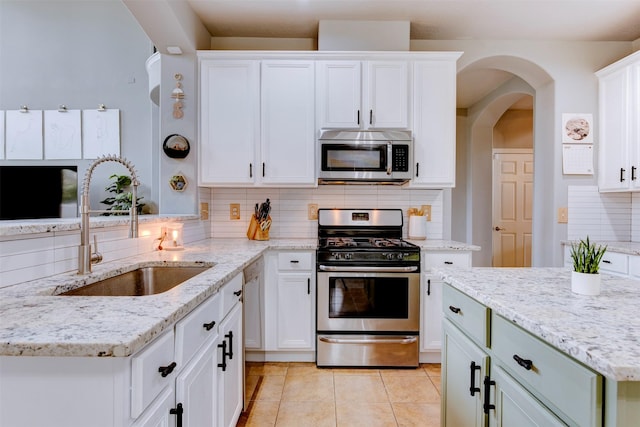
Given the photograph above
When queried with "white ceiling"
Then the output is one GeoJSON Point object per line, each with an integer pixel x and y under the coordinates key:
{"type": "Point", "coordinates": [541, 20]}
{"type": "Point", "coordinates": [586, 20]}
{"type": "Point", "coordinates": [569, 20]}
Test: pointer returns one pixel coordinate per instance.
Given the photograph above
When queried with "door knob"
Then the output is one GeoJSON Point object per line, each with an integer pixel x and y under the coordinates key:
{"type": "Point", "coordinates": [498, 228]}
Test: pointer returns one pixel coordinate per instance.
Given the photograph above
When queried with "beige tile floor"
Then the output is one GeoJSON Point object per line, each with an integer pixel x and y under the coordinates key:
{"type": "Point", "coordinates": [301, 395]}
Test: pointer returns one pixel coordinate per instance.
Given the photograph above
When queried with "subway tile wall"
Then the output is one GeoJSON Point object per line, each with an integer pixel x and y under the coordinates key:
{"type": "Point", "coordinates": [603, 216]}
{"type": "Point", "coordinates": [35, 256]}
{"type": "Point", "coordinates": [289, 207]}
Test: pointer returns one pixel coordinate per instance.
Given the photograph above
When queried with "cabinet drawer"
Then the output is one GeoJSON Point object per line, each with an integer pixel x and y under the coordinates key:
{"type": "Point", "coordinates": [471, 316]}
{"type": "Point", "coordinates": [554, 377]}
{"type": "Point", "coordinates": [295, 261]}
{"type": "Point", "coordinates": [231, 294]}
{"type": "Point", "coordinates": [613, 262]}
{"type": "Point", "coordinates": [199, 326]}
{"type": "Point", "coordinates": [442, 259]}
{"type": "Point", "coordinates": [634, 266]}
{"type": "Point", "coordinates": [146, 379]}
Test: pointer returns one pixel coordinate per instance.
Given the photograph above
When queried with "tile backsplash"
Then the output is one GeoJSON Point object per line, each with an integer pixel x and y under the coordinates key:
{"type": "Point", "coordinates": [289, 207]}
{"type": "Point", "coordinates": [603, 216]}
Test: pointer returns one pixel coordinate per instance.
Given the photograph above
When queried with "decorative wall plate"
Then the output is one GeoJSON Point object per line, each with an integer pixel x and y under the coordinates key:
{"type": "Point", "coordinates": [176, 146]}
{"type": "Point", "coordinates": [178, 182]}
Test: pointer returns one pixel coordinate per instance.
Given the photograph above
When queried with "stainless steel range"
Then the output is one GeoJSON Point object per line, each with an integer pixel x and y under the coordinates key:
{"type": "Point", "coordinates": [368, 281]}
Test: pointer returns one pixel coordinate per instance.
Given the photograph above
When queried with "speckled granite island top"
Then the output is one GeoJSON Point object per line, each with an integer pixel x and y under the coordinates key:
{"type": "Point", "coordinates": [603, 331]}
{"type": "Point", "coordinates": [35, 321]}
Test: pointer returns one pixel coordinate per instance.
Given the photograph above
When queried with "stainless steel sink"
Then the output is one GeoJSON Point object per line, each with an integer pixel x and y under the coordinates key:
{"type": "Point", "coordinates": [139, 282]}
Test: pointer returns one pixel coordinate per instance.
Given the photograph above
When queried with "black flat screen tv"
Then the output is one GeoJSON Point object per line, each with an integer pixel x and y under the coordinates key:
{"type": "Point", "coordinates": [38, 192]}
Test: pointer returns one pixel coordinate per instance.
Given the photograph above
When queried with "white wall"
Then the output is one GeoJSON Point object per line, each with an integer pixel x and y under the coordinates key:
{"type": "Point", "coordinates": [562, 75]}
{"type": "Point", "coordinates": [80, 54]}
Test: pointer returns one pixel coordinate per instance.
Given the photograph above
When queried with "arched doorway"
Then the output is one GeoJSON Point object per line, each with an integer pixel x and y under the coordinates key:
{"type": "Point", "coordinates": [472, 211]}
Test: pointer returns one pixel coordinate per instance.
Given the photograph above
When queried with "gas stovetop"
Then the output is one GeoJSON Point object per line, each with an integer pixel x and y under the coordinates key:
{"type": "Point", "coordinates": [364, 237]}
{"type": "Point", "coordinates": [363, 242]}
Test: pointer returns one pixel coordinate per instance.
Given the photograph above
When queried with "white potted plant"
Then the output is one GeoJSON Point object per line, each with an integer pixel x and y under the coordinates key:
{"type": "Point", "coordinates": [585, 277]}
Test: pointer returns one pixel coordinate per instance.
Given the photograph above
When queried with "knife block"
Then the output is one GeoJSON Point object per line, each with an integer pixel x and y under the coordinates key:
{"type": "Point", "coordinates": [257, 230]}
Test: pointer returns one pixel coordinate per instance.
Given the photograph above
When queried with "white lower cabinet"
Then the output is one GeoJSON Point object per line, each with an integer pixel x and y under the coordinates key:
{"type": "Point", "coordinates": [496, 374]}
{"type": "Point", "coordinates": [290, 297]}
{"type": "Point", "coordinates": [431, 300]}
{"type": "Point", "coordinates": [191, 375]}
{"type": "Point", "coordinates": [231, 369]}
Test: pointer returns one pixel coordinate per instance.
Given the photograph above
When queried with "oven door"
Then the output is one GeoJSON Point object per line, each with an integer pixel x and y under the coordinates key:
{"type": "Point", "coordinates": [368, 301]}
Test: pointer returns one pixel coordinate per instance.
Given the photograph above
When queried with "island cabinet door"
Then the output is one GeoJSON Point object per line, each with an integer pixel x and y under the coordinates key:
{"type": "Point", "coordinates": [464, 368]}
{"type": "Point", "coordinates": [514, 406]}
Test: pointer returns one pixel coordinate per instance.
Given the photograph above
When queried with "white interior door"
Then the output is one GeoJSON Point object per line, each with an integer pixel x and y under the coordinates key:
{"type": "Point", "coordinates": [512, 207]}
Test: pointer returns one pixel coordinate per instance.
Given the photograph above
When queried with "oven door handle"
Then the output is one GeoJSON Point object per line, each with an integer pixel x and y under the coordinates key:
{"type": "Point", "coordinates": [386, 340]}
{"type": "Point", "coordinates": [369, 269]}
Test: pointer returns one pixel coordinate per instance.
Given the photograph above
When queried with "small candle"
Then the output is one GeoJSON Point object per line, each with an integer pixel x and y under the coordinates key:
{"type": "Point", "coordinates": [175, 237]}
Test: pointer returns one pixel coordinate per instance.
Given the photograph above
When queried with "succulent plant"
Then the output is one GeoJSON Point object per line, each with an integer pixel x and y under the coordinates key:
{"type": "Point", "coordinates": [586, 256]}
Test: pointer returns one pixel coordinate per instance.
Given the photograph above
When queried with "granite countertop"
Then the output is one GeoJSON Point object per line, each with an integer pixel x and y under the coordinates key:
{"type": "Point", "coordinates": [37, 322]}
{"type": "Point", "coordinates": [629, 248]}
{"type": "Point", "coordinates": [603, 331]}
{"type": "Point", "coordinates": [21, 227]}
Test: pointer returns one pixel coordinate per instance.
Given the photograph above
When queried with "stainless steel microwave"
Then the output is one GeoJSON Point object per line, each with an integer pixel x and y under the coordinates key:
{"type": "Point", "coordinates": [365, 157]}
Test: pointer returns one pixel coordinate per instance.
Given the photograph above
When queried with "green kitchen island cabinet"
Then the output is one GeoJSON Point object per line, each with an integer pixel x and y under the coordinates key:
{"type": "Point", "coordinates": [519, 348]}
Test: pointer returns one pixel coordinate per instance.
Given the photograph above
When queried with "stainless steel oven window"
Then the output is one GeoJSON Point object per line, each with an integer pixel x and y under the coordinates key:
{"type": "Point", "coordinates": [370, 297]}
{"type": "Point", "coordinates": [372, 302]}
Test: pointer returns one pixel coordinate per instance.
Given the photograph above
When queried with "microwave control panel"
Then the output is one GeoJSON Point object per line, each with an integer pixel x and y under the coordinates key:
{"type": "Point", "coordinates": [400, 158]}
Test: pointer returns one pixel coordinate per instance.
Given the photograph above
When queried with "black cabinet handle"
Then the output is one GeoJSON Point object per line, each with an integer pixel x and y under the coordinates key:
{"type": "Point", "coordinates": [456, 310]}
{"type": "Point", "coordinates": [370, 117]}
{"type": "Point", "coordinates": [178, 410]}
{"type": "Point", "coordinates": [633, 173]}
{"type": "Point", "coordinates": [417, 170]}
{"type": "Point", "coordinates": [263, 169]}
{"type": "Point", "coordinates": [166, 370]}
{"type": "Point", "coordinates": [238, 293]}
{"type": "Point", "coordinates": [606, 261]}
{"type": "Point", "coordinates": [525, 363]}
{"type": "Point", "coordinates": [428, 286]}
{"type": "Point", "coordinates": [448, 262]}
{"type": "Point", "coordinates": [210, 325]}
{"type": "Point", "coordinates": [622, 171]}
{"type": "Point", "coordinates": [223, 346]}
{"type": "Point", "coordinates": [487, 391]}
{"type": "Point", "coordinates": [250, 170]}
{"type": "Point", "coordinates": [308, 286]}
{"type": "Point", "coordinates": [294, 261]}
{"type": "Point", "coordinates": [472, 383]}
{"type": "Point", "coordinates": [230, 336]}
{"type": "Point", "coordinates": [358, 116]}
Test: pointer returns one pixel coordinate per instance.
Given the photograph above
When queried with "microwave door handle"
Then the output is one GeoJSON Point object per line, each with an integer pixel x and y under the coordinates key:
{"type": "Point", "coordinates": [389, 157]}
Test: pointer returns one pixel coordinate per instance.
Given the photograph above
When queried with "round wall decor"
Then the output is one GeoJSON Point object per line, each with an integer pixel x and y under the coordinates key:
{"type": "Point", "coordinates": [176, 146]}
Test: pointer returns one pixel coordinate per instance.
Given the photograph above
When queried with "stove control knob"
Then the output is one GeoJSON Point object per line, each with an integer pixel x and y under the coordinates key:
{"type": "Point", "coordinates": [335, 255]}
{"type": "Point", "coordinates": [348, 255]}
{"type": "Point", "coordinates": [400, 256]}
{"type": "Point", "coordinates": [389, 256]}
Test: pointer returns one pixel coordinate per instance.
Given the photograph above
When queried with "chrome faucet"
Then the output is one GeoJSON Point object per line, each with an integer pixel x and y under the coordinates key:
{"type": "Point", "coordinates": [85, 256]}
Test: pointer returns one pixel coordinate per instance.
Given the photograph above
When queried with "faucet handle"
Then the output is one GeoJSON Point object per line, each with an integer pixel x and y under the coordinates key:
{"type": "Point", "coordinates": [96, 256]}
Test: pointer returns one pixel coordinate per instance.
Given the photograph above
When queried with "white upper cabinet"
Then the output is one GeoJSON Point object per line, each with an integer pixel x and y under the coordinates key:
{"type": "Point", "coordinates": [288, 122]}
{"type": "Point", "coordinates": [619, 136]}
{"type": "Point", "coordinates": [434, 122]}
{"type": "Point", "coordinates": [229, 121]}
{"type": "Point", "coordinates": [363, 94]}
